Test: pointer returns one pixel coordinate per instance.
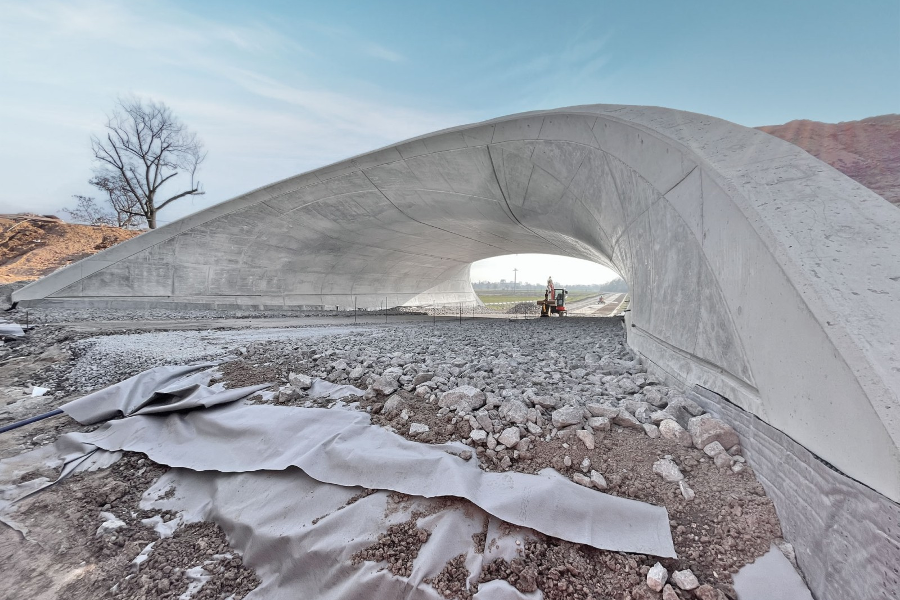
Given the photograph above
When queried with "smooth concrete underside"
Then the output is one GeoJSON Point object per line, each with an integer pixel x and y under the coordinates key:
{"type": "Point", "coordinates": [756, 270]}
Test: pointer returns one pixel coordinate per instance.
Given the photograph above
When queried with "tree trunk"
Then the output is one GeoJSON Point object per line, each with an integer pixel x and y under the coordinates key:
{"type": "Point", "coordinates": [151, 219]}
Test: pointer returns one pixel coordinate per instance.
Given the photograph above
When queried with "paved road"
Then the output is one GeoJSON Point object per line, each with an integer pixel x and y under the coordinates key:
{"type": "Point", "coordinates": [589, 307]}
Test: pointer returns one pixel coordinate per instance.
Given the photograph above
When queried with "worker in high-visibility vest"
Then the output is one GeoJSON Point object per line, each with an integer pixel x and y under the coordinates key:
{"type": "Point", "coordinates": [550, 293]}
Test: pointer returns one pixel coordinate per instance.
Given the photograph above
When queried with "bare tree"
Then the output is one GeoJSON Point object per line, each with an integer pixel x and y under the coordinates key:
{"type": "Point", "coordinates": [88, 211]}
{"type": "Point", "coordinates": [145, 147]}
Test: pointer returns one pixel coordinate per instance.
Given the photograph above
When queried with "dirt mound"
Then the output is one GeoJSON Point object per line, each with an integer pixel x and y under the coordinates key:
{"type": "Point", "coordinates": [867, 150]}
{"type": "Point", "coordinates": [33, 246]}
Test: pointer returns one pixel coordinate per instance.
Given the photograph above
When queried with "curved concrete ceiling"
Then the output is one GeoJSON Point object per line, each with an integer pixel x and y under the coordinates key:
{"type": "Point", "coordinates": [756, 270]}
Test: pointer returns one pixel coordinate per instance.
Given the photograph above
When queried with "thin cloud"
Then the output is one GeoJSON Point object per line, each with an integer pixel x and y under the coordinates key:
{"type": "Point", "coordinates": [383, 53]}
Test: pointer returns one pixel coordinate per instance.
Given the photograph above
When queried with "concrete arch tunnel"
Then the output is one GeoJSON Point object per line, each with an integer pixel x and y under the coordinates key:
{"type": "Point", "coordinates": [756, 270]}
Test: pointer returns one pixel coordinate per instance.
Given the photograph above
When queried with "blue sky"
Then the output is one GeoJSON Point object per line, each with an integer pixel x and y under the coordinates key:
{"type": "Point", "coordinates": [278, 88]}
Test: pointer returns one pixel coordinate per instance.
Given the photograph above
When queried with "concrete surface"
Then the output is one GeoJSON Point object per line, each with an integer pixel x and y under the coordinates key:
{"type": "Point", "coordinates": [756, 270]}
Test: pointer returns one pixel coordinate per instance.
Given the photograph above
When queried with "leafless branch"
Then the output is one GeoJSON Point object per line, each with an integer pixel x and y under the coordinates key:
{"type": "Point", "coordinates": [145, 147]}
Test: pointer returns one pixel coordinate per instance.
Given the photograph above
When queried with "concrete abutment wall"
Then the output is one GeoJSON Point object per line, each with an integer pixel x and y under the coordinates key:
{"type": "Point", "coordinates": [756, 271]}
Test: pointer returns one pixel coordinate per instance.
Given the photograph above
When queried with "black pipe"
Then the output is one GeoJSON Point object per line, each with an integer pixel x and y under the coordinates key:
{"type": "Point", "coordinates": [18, 424]}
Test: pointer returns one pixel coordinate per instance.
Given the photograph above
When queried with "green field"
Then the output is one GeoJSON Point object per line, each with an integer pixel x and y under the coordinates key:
{"type": "Point", "coordinates": [493, 297]}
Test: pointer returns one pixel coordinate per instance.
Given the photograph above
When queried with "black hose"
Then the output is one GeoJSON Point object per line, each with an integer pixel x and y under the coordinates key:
{"type": "Point", "coordinates": [18, 424]}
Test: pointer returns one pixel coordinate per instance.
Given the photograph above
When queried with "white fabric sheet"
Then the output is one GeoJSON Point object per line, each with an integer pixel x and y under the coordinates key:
{"type": "Point", "coordinates": [344, 448]}
{"type": "Point", "coordinates": [299, 536]}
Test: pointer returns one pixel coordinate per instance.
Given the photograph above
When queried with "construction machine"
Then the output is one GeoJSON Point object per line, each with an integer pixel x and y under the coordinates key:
{"type": "Point", "coordinates": [554, 302]}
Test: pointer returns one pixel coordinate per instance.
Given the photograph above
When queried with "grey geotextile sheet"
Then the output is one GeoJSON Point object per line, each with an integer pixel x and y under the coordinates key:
{"type": "Point", "coordinates": [342, 447]}
{"type": "Point", "coordinates": [300, 527]}
{"type": "Point", "coordinates": [771, 576]}
{"type": "Point", "coordinates": [159, 390]}
{"type": "Point", "coordinates": [300, 535]}
{"type": "Point", "coordinates": [11, 330]}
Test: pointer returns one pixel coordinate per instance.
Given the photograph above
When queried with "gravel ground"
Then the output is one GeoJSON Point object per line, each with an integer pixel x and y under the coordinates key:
{"type": "Point", "coordinates": [524, 394]}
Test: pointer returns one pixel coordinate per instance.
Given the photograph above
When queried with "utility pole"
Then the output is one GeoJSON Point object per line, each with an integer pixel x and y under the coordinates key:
{"type": "Point", "coordinates": [515, 281]}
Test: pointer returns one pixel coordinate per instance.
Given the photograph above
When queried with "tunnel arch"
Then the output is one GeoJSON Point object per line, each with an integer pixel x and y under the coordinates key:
{"type": "Point", "coordinates": [756, 270]}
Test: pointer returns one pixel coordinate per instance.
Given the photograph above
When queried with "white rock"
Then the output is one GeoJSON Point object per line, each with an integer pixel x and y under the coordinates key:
{"type": "Point", "coordinates": [598, 481]}
{"type": "Point", "coordinates": [706, 429]}
{"type": "Point", "coordinates": [543, 401]}
{"type": "Point", "coordinates": [713, 449]}
{"type": "Point", "coordinates": [300, 381]}
{"type": "Point", "coordinates": [723, 460]}
{"type": "Point", "coordinates": [110, 524]}
{"type": "Point", "coordinates": [686, 580]}
{"type": "Point", "coordinates": [671, 430]}
{"type": "Point", "coordinates": [533, 429]}
{"type": "Point", "coordinates": [484, 419]}
{"type": "Point", "coordinates": [657, 577]}
{"type": "Point", "coordinates": [479, 436]}
{"type": "Point", "coordinates": [651, 430]}
{"type": "Point", "coordinates": [626, 419]}
{"type": "Point", "coordinates": [567, 415]}
{"type": "Point", "coordinates": [581, 479]}
{"type": "Point", "coordinates": [602, 410]}
{"type": "Point", "coordinates": [586, 437]}
{"type": "Point", "coordinates": [513, 411]}
{"type": "Point", "coordinates": [384, 386]}
{"type": "Point", "coordinates": [686, 491]}
{"type": "Point", "coordinates": [420, 378]}
{"type": "Point", "coordinates": [417, 428]}
{"type": "Point", "coordinates": [509, 437]}
{"type": "Point", "coordinates": [463, 398]}
{"type": "Point", "coordinates": [668, 470]}
{"type": "Point", "coordinates": [391, 406]}
{"type": "Point", "coordinates": [599, 423]}
{"type": "Point", "coordinates": [585, 464]}
{"type": "Point", "coordinates": [669, 593]}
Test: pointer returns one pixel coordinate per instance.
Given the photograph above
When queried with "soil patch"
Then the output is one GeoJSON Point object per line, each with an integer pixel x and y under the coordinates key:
{"type": "Point", "coordinates": [65, 556]}
{"type": "Point", "coordinates": [33, 247]}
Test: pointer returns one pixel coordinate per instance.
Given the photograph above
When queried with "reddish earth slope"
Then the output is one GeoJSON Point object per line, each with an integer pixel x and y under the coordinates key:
{"type": "Point", "coordinates": [32, 246]}
{"type": "Point", "coordinates": [867, 150]}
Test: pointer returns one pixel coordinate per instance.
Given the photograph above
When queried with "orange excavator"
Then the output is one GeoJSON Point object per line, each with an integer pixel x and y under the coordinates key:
{"type": "Point", "coordinates": [554, 302]}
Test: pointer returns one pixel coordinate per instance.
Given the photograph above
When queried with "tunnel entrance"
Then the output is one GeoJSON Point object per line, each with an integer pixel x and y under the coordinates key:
{"type": "Point", "coordinates": [514, 283]}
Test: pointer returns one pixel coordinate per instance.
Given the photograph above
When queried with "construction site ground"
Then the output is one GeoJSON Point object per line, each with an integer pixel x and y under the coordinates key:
{"type": "Point", "coordinates": [729, 523]}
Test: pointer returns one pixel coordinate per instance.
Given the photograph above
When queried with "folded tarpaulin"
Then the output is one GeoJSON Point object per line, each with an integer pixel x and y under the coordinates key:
{"type": "Point", "coordinates": [343, 448]}
{"type": "Point", "coordinates": [158, 390]}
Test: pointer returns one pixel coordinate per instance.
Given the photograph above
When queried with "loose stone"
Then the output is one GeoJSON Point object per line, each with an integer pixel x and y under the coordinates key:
{"type": "Point", "coordinates": [668, 470]}
{"type": "Point", "coordinates": [509, 437]}
{"type": "Point", "coordinates": [568, 415]}
{"type": "Point", "coordinates": [685, 580]}
{"type": "Point", "coordinates": [581, 479]}
{"type": "Point", "coordinates": [586, 437]}
{"type": "Point", "coordinates": [671, 430]}
{"type": "Point", "coordinates": [706, 429]}
{"type": "Point", "coordinates": [598, 480]}
{"type": "Point", "coordinates": [418, 428]}
{"type": "Point", "coordinates": [657, 577]}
